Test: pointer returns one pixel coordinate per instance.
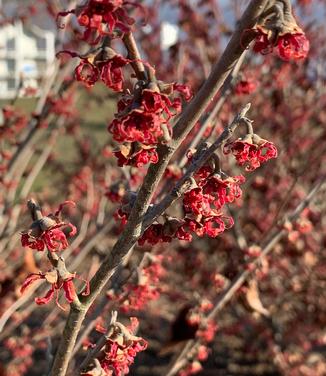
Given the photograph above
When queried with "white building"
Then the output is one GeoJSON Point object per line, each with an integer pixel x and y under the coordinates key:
{"type": "Point", "coordinates": [26, 53]}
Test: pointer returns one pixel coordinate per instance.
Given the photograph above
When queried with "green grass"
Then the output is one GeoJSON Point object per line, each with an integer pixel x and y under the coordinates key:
{"type": "Point", "coordinates": [96, 109]}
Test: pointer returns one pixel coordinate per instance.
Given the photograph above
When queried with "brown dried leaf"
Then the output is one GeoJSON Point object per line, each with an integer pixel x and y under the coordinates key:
{"type": "Point", "coordinates": [253, 299]}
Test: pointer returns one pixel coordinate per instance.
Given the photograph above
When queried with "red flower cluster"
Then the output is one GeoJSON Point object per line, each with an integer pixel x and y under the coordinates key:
{"type": "Point", "coordinates": [138, 297]}
{"type": "Point", "coordinates": [165, 232]}
{"type": "Point", "coordinates": [101, 18]}
{"type": "Point", "coordinates": [13, 122]}
{"type": "Point", "coordinates": [106, 66]}
{"type": "Point", "coordinates": [251, 151]}
{"type": "Point", "coordinates": [60, 105]}
{"type": "Point", "coordinates": [147, 289]}
{"type": "Point", "coordinates": [57, 284]}
{"type": "Point", "coordinates": [47, 232]}
{"type": "Point", "coordinates": [155, 234]}
{"type": "Point", "coordinates": [291, 46]}
{"type": "Point", "coordinates": [203, 204]}
{"type": "Point", "coordinates": [143, 121]}
{"type": "Point", "coordinates": [207, 332]}
{"type": "Point", "coordinates": [22, 352]}
{"type": "Point", "coordinates": [120, 350]}
{"type": "Point", "coordinates": [109, 71]}
{"type": "Point", "coordinates": [139, 158]}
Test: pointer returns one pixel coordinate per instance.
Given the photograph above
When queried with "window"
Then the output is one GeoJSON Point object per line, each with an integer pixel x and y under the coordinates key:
{"type": "Point", "coordinates": [11, 84]}
{"type": "Point", "coordinates": [11, 44]}
{"type": "Point", "coordinates": [41, 43]}
{"type": "Point", "coordinates": [11, 65]}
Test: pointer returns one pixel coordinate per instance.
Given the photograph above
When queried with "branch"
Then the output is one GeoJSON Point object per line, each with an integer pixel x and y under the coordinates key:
{"type": "Point", "coordinates": [225, 91]}
{"type": "Point", "coordinates": [134, 55]}
{"type": "Point", "coordinates": [133, 229]}
{"type": "Point", "coordinates": [183, 185]}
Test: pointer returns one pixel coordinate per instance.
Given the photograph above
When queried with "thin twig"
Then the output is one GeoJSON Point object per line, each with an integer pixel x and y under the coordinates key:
{"type": "Point", "coordinates": [225, 91]}
{"type": "Point", "coordinates": [134, 55]}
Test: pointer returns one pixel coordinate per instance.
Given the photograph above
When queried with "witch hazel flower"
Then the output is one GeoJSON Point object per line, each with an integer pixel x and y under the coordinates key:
{"type": "Point", "coordinates": [171, 228]}
{"type": "Point", "coordinates": [14, 121]}
{"type": "Point", "coordinates": [290, 46]}
{"type": "Point", "coordinates": [101, 18]}
{"type": "Point", "coordinates": [279, 30]}
{"type": "Point", "coordinates": [203, 204]}
{"type": "Point", "coordinates": [119, 351]}
{"type": "Point", "coordinates": [143, 121]}
{"type": "Point", "coordinates": [104, 64]}
{"type": "Point", "coordinates": [251, 151]}
{"type": "Point", "coordinates": [144, 116]}
{"type": "Point", "coordinates": [46, 232]}
{"type": "Point", "coordinates": [137, 296]}
{"type": "Point", "coordinates": [135, 154]}
{"type": "Point", "coordinates": [207, 331]}
{"type": "Point", "coordinates": [57, 282]}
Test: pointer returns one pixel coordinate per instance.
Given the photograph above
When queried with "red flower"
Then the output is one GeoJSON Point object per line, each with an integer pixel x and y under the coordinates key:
{"type": "Point", "coordinates": [46, 232]}
{"type": "Point", "coordinates": [185, 90]}
{"type": "Point", "coordinates": [244, 152]}
{"type": "Point", "coordinates": [154, 235]}
{"type": "Point", "coordinates": [102, 17]}
{"type": "Point", "coordinates": [211, 226]}
{"type": "Point", "coordinates": [87, 73]}
{"type": "Point", "coordinates": [105, 65]}
{"type": "Point", "coordinates": [251, 153]}
{"type": "Point", "coordinates": [183, 234]}
{"type": "Point", "coordinates": [194, 201]}
{"type": "Point", "coordinates": [57, 284]}
{"type": "Point", "coordinates": [267, 150]}
{"type": "Point", "coordinates": [138, 297]}
{"type": "Point", "coordinates": [139, 159]}
{"type": "Point", "coordinates": [144, 127]}
{"type": "Point", "coordinates": [143, 121]}
{"type": "Point", "coordinates": [293, 46]}
{"type": "Point", "coordinates": [203, 206]}
{"type": "Point", "coordinates": [111, 72]}
{"type": "Point", "coordinates": [262, 44]}
{"type": "Point", "coordinates": [120, 350]}
{"type": "Point", "coordinates": [121, 216]}
{"type": "Point", "coordinates": [207, 333]}
{"type": "Point", "coordinates": [222, 191]}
